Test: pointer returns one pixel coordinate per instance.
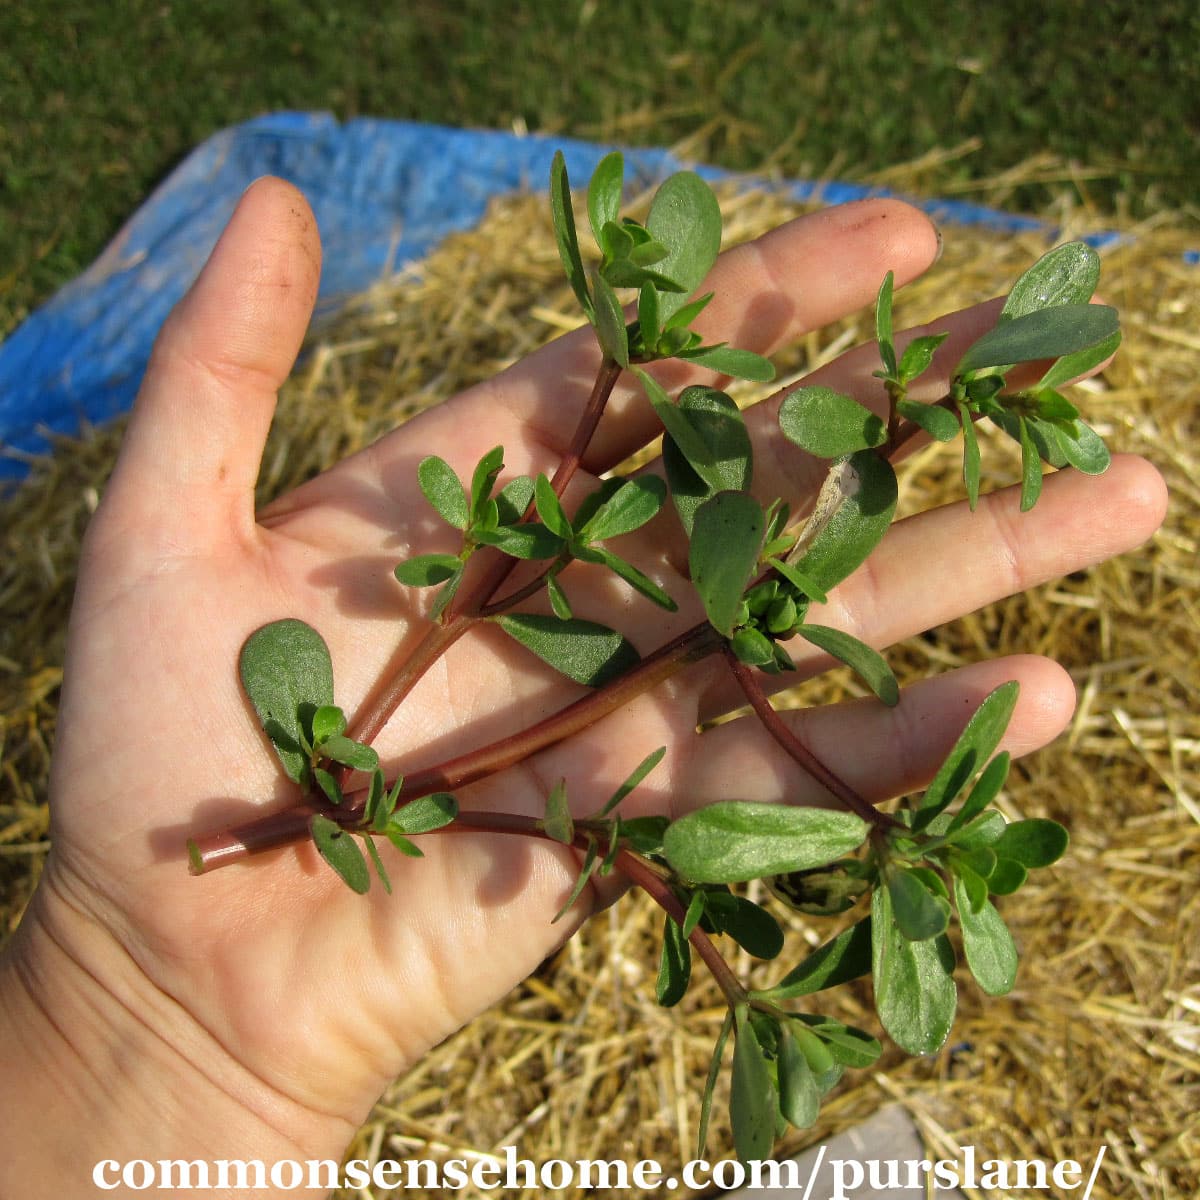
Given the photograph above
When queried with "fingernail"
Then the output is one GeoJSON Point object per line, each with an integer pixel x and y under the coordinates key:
{"type": "Point", "coordinates": [252, 183]}
{"type": "Point", "coordinates": [937, 232]}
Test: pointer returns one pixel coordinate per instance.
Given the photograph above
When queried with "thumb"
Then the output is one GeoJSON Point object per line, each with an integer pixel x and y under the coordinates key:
{"type": "Point", "coordinates": [185, 475]}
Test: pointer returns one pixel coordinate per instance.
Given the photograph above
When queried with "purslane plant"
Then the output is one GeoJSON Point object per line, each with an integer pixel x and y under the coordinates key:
{"type": "Point", "coordinates": [761, 576]}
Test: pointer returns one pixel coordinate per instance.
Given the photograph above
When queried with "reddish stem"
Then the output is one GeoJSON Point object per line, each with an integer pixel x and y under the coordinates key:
{"type": "Point", "coordinates": [778, 729]}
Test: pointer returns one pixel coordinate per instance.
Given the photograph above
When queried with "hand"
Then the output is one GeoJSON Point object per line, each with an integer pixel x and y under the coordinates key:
{"type": "Point", "coordinates": [260, 1010]}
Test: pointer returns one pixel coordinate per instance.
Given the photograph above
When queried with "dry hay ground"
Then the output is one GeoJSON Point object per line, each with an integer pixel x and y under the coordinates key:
{"type": "Point", "coordinates": [1100, 1041]}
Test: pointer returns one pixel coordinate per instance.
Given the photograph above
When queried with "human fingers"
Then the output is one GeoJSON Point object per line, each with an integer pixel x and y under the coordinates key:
{"type": "Point", "coordinates": [944, 563]}
{"type": "Point", "coordinates": [187, 467]}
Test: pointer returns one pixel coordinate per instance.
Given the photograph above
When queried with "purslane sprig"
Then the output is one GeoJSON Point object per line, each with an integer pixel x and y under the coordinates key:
{"type": "Point", "coordinates": [759, 576]}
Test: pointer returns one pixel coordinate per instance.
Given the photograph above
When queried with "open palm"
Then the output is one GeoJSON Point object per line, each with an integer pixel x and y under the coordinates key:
{"type": "Point", "coordinates": [275, 981]}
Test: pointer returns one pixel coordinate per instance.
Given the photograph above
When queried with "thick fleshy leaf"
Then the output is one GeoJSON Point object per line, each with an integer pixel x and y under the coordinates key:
{"type": "Point", "coordinates": [1036, 842]}
{"type": "Point", "coordinates": [529, 540]}
{"type": "Point", "coordinates": [799, 1092]}
{"type": "Point", "coordinates": [558, 823]}
{"type": "Point", "coordinates": [483, 479]}
{"type": "Point", "coordinates": [915, 994]}
{"type": "Point", "coordinates": [604, 193]}
{"type": "Point", "coordinates": [634, 503]}
{"type": "Point", "coordinates": [584, 651]}
{"type": "Point", "coordinates": [443, 489]}
{"type": "Point", "coordinates": [590, 858]}
{"type": "Point", "coordinates": [1068, 274]}
{"type": "Point", "coordinates": [940, 423]}
{"type": "Point", "coordinates": [564, 232]}
{"type": "Point", "coordinates": [986, 788]}
{"type": "Point", "coordinates": [751, 926]}
{"type": "Point", "coordinates": [989, 948]}
{"type": "Point", "coordinates": [1007, 877]}
{"type": "Point", "coordinates": [728, 360]}
{"type": "Point", "coordinates": [635, 777]}
{"type": "Point", "coordinates": [971, 457]}
{"type": "Point", "coordinates": [638, 580]}
{"type": "Point", "coordinates": [918, 356]}
{"type": "Point", "coordinates": [424, 814]}
{"type": "Point", "coordinates": [752, 647]}
{"type": "Point", "coordinates": [328, 721]}
{"type": "Point", "coordinates": [868, 664]}
{"type": "Point", "coordinates": [377, 863]}
{"type": "Point", "coordinates": [686, 218]}
{"type": "Point", "coordinates": [340, 850]}
{"type": "Point", "coordinates": [975, 745]}
{"type": "Point", "coordinates": [427, 569]}
{"type": "Point", "coordinates": [1084, 449]}
{"type": "Point", "coordinates": [513, 499]}
{"type": "Point", "coordinates": [714, 1070]}
{"type": "Point", "coordinates": [829, 424]}
{"type": "Point", "coordinates": [675, 966]}
{"type": "Point", "coordinates": [328, 784]}
{"type": "Point", "coordinates": [1031, 468]}
{"type": "Point", "coordinates": [752, 1097]}
{"type": "Point", "coordinates": [918, 912]}
{"type": "Point", "coordinates": [558, 599]}
{"type": "Point", "coordinates": [883, 323]}
{"type": "Point", "coordinates": [799, 580]}
{"type": "Point", "coordinates": [287, 674]}
{"type": "Point", "coordinates": [685, 314]}
{"type": "Point", "coordinates": [1047, 333]}
{"type": "Point", "coordinates": [550, 509]}
{"type": "Point", "coordinates": [610, 322]}
{"type": "Point", "coordinates": [845, 957]}
{"type": "Point", "coordinates": [1072, 366]}
{"type": "Point", "coordinates": [649, 324]}
{"type": "Point", "coordinates": [854, 509]}
{"type": "Point", "coordinates": [848, 1046]}
{"type": "Point", "coordinates": [350, 753]}
{"type": "Point", "coordinates": [446, 593]}
{"type": "Point", "coordinates": [727, 535]}
{"type": "Point", "coordinates": [733, 840]}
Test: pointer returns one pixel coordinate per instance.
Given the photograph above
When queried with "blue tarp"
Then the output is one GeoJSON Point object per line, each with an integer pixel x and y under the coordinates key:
{"type": "Point", "coordinates": [384, 193]}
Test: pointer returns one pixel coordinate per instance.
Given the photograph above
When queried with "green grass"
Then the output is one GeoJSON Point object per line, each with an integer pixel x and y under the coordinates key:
{"type": "Point", "coordinates": [99, 101]}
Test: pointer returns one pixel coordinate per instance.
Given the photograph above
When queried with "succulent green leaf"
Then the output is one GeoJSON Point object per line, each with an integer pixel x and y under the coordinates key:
{"type": "Point", "coordinates": [862, 496]}
{"type": "Point", "coordinates": [558, 822]}
{"type": "Point", "coordinates": [634, 503]}
{"type": "Point", "coordinates": [675, 966]}
{"type": "Point", "coordinates": [513, 500]}
{"type": "Point", "coordinates": [328, 784]}
{"type": "Point", "coordinates": [752, 1099]}
{"type": "Point", "coordinates": [377, 863]}
{"type": "Point", "coordinates": [975, 745]}
{"type": "Point", "coordinates": [590, 858]}
{"type": "Point", "coordinates": [729, 360]}
{"type": "Point", "coordinates": [695, 910]}
{"type": "Point", "coordinates": [733, 840]}
{"type": "Point", "coordinates": [287, 675]}
{"type": "Point", "coordinates": [1047, 441]}
{"type": "Point", "coordinates": [969, 885]}
{"type": "Point", "coordinates": [710, 1083]}
{"type": "Point", "coordinates": [686, 218]}
{"type": "Point", "coordinates": [428, 569]}
{"type": "Point", "coordinates": [1046, 333]}
{"type": "Point", "coordinates": [685, 314]}
{"type": "Point", "coordinates": [1031, 468]}
{"type": "Point", "coordinates": [828, 424]}
{"type": "Point", "coordinates": [604, 194]}
{"type": "Point", "coordinates": [799, 1092]}
{"type": "Point", "coordinates": [558, 599]}
{"type": "Point", "coordinates": [692, 447]}
{"type": "Point", "coordinates": [868, 664]}
{"type": "Point", "coordinates": [986, 789]}
{"type": "Point", "coordinates": [1072, 366]}
{"type": "Point", "coordinates": [989, 948]}
{"type": "Point", "coordinates": [407, 848]}
{"type": "Point", "coordinates": [752, 647]}
{"type": "Point", "coordinates": [918, 357]}
{"type": "Point", "coordinates": [1007, 877]}
{"type": "Point", "coordinates": [751, 926]}
{"type": "Point", "coordinates": [839, 960]}
{"type": "Point", "coordinates": [984, 831]}
{"type": "Point", "coordinates": [848, 1046]}
{"type": "Point", "coordinates": [584, 651]}
{"type": "Point", "coordinates": [635, 778]}
{"type": "Point", "coordinates": [550, 509]}
{"type": "Point", "coordinates": [483, 479]}
{"type": "Point", "coordinates": [1083, 448]}
{"type": "Point", "coordinates": [971, 459]}
{"type": "Point", "coordinates": [529, 540]}
{"type": "Point", "coordinates": [1036, 842]}
{"type": "Point", "coordinates": [446, 593]}
{"type": "Point", "coordinates": [645, 834]}
{"type": "Point", "coordinates": [915, 994]}
{"type": "Point", "coordinates": [350, 754]}
{"type": "Point", "coordinates": [1068, 274]}
{"type": "Point", "coordinates": [727, 535]}
{"type": "Point", "coordinates": [940, 423]}
{"type": "Point", "coordinates": [918, 912]}
{"type": "Point", "coordinates": [648, 319]}
{"type": "Point", "coordinates": [883, 323]}
{"type": "Point", "coordinates": [564, 232]}
{"type": "Point", "coordinates": [328, 721]}
{"type": "Point", "coordinates": [340, 850]}
{"type": "Point", "coordinates": [610, 322]}
{"type": "Point", "coordinates": [442, 488]}
{"type": "Point", "coordinates": [799, 580]}
{"type": "Point", "coordinates": [636, 579]}
{"type": "Point", "coordinates": [424, 814]}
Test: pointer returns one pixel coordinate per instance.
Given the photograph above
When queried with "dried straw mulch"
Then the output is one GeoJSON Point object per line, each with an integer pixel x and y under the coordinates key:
{"type": "Point", "coordinates": [1100, 1042]}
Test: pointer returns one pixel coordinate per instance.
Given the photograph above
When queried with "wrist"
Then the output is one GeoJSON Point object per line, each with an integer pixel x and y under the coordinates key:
{"type": "Point", "coordinates": [99, 1064]}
